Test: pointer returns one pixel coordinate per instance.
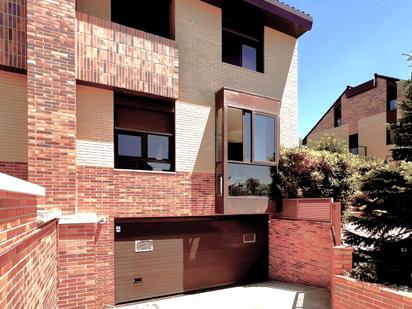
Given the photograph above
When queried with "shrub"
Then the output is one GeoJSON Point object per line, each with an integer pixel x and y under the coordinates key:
{"type": "Point", "coordinates": [382, 236]}
{"type": "Point", "coordinates": [329, 143]}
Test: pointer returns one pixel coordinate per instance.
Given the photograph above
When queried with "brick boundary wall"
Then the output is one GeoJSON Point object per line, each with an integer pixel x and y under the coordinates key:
{"type": "Point", "coordinates": [300, 252]}
{"type": "Point", "coordinates": [15, 169]}
{"type": "Point", "coordinates": [28, 255]}
{"type": "Point", "coordinates": [350, 293]}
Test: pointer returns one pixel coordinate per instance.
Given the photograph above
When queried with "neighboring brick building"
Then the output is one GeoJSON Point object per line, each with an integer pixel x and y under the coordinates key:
{"type": "Point", "coordinates": [361, 114]}
{"type": "Point", "coordinates": [169, 113]}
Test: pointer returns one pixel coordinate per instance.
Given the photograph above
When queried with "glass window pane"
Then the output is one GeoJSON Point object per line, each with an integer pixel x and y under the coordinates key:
{"type": "Point", "coordinates": [248, 135]}
{"type": "Point", "coordinates": [246, 179]}
{"type": "Point", "coordinates": [158, 147]}
{"type": "Point", "coordinates": [264, 138]}
{"type": "Point", "coordinates": [249, 57]}
{"type": "Point", "coordinates": [235, 134]}
{"type": "Point", "coordinates": [392, 105]}
{"type": "Point", "coordinates": [159, 166]}
{"type": "Point", "coordinates": [129, 145]}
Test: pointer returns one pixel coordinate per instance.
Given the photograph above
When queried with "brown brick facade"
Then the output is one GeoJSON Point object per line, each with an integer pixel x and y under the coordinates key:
{"type": "Point", "coordinates": [51, 84]}
{"type": "Point", "coordinates": [372, 101]}
{"type": "Point", "coordinates": [117, 56]}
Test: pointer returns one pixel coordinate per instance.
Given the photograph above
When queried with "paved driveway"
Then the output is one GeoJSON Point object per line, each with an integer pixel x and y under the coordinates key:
{"type": "Point", "coordinates": [272, 294]}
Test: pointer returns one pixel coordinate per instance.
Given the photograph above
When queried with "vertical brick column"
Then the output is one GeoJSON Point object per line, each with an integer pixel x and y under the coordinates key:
{"type": "Point", "coordinates": [51, 83]}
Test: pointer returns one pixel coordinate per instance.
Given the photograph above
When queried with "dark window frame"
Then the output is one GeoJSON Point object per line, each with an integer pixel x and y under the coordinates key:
{"type": "Point", "coordinates": [337, 115]}
{"type": "Point", "coordinates": [252, 160]}
{"type": "Point", "coordinates": [235, 34]}
{"type": "Point", "coordinates": [120, 160]}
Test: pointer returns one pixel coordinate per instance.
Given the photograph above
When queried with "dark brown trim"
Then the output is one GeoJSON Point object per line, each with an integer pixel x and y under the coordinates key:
{"type": "Point", "coordinates": [279, 16]}
{"type": "Point", "coordinates": [13, 69]}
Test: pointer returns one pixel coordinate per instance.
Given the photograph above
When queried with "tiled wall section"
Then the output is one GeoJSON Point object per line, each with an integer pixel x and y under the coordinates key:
{"type": "Point", "coordinates": [51, 83]}
{"type": "Point", "coordinates": [300, 252]}
{"type": "Point", "coordinates": [118, 56]}
{"type": "Point", "coordinates": [115, 193]}
{"type": "Point", "coordinates": [13, 33]}
{"type": "Point", "coordinates": [28, 255]}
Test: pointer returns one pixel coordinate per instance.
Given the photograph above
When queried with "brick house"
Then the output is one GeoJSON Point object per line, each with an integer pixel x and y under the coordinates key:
{"type": "Point", "coordinates": [154, 133]}
{"type": "Point", "coordinates": [360, 116]}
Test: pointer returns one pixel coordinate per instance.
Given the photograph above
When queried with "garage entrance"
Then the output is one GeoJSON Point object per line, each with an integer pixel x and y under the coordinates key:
{"type": "Point", "coordinates": [164, 256]}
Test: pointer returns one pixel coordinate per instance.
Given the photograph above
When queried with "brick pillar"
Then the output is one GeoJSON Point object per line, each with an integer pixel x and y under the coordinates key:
{"type": "Point", "coordinates": [341, 260]}
{"type": "Point", "coordinates": [51, 83]}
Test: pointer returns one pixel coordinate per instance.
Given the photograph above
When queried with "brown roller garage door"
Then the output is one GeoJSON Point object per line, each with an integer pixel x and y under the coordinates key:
{"type": "Point", "coordinates": [164, 256]}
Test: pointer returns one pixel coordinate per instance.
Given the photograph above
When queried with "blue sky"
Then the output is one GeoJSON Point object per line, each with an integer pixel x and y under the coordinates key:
{"type": "Point", "coordinates": [349, 42]}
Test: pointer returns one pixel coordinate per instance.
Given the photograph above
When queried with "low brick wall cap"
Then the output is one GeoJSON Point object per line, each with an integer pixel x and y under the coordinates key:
{"type": "Point", "coordinates": [15, 185]}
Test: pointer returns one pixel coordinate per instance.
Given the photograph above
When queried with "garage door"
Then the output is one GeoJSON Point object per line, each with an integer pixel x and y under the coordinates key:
{"type": "Point", "coordinates": [164, 256]}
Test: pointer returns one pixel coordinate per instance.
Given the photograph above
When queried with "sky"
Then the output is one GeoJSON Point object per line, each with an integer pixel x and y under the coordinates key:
{"type": "Point", "coordinates": [350, 41]}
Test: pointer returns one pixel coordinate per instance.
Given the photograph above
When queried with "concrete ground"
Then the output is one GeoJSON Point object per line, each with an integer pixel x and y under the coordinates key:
{"type": "Point", "coordinates": [272, 294]}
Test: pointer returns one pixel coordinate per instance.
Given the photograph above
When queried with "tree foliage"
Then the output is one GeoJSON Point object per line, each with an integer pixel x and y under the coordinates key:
{"type": "Point", "coordinates": [383, 234]}
{"type": "Point", "coordinates": [329, 143]}
{"type": "Point", "coordinates": [305, 173]}
{"type": "Point", "coordinates": [402, 131]}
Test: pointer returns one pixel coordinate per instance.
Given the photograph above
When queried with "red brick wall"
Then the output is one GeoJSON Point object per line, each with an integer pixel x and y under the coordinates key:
{"type": "Point", "coordinates": [350, 293]}
{"type": "Point", "coordinates": [17, 218]}
{"type": "Point", "coordinates": [77, 262]}
{"type": "Point", "coordinates": [300, 252]}
{"type": "Point", "coordinates": [16, 169]}
{"type": "Point", "coordinates": [51, 83]}
{"type": "Point", "coordinates": [28, 271]}
{"type": "Point", "coordinates": [117, 193]}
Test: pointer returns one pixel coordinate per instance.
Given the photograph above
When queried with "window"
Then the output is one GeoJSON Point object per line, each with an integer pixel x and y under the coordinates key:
{"type": "Point", "coordinates": [248, 179]}
{"type": "Point", "coordinates": [390, 139]}
{"type": "Point", "coordinates": [264, 137]}
{"type": "Point", "coordinates": [251, 150]}
{"type": "Point", "coordinates": [150, 16]}
{"type": "Point", "coordinates": [144, 138]}
{"type": "Point", "coordinates": [338, 115]}
{"type": "Point", "coordinates": [392, 105]}
{"type": "Point", "coordinates": [242, 35]}
{"type": "Point", "coordinates": [353, 143]}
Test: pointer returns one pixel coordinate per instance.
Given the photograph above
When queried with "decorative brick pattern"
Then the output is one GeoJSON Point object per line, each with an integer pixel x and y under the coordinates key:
{"type": "Point", "coordinates": [16, 169]}
{"type": "Point", "coordinates": [51, 83]}
{"type": "Point", "coordinates": [77, 262]}
{"type": "Point", "coordinates": [300, 252]}
{"type": "Point", "coordinates": [118, 56]}
{"type": "Point", "coordinates": [13, 33]}
{"type": "Point", "coordinates": [350, 293]}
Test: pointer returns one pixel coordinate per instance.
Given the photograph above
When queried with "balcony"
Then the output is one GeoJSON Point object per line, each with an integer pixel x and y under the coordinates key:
{"type": "Point", "coordinates": [117, 56]}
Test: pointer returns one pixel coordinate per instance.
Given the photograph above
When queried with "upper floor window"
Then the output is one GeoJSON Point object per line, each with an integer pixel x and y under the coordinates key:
{"type": "Point", "coordinates": [144, 134]}
{"type": "Point", "coordinates": [391, 97]}
{"type": "Point", "coordinates": [242, 35]}
{"type": "Point", "coordinates": [338, 115]}
{"type": "Point", "coordinates": [152, 16]}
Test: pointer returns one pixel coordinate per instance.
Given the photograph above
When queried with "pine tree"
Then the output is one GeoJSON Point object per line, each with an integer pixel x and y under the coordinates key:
{"type": "Point", "coordinates": [402, 131]}
{"type": "Point", "coordinates": [382, 236]}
